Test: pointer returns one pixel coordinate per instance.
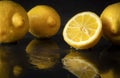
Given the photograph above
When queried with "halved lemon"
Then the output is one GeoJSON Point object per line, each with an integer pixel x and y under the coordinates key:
{"type": "Point", "coordinates": [83, 30]}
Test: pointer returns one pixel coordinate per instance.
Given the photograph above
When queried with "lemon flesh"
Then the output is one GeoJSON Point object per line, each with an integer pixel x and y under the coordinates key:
{"type": "Point", "coordinates": [83, 30]}
{"type": "Point", "coordinates": [111, 22]}
{"type": "Point", "coordinates": [14, 22]}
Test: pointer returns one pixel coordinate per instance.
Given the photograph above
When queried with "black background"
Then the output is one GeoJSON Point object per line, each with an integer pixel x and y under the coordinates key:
{"type": "Point", "coordinates": [68, 8]}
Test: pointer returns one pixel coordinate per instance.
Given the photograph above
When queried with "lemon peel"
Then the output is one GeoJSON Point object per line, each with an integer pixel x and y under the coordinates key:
{"type": "Point", "coordinates": [110, 17]}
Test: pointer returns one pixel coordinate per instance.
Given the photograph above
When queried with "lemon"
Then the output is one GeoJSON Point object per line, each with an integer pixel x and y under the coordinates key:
{"type": "Point", "coordinates": [111, 22]}
{"type": "Point", "coordinates": [78, 66]}
{"type": "Point", "coordinates": [83, 30]}
{"type": "Point", "coordinates": [14, 22]}
{"type": "Point", "coordinates": [44, 21]}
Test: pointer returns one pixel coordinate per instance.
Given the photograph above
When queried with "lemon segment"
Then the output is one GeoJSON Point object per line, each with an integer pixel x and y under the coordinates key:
{"type": "Point", "coordinates": [83, 30]}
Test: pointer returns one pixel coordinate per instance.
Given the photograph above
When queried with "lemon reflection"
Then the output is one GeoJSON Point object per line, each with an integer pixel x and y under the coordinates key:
{"type": "Point", "coordinates": [109, 63]}
{"type": "Point", "coordinates": [87, 55]}
{"type": "Point", "coordinates": [10, 62]}
{"type": "Point", "coordinates": [81, 64]}
{"type": "Point", "coordinates": [43, 54]}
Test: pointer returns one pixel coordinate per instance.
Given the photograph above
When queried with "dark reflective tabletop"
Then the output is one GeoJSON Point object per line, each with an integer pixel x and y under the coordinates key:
{"type": "Point", "coordinates": [36, 58]}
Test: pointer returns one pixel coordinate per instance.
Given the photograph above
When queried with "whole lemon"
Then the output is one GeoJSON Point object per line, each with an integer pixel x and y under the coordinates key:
{"type": "Point", "coordinates": [44, 21]}
{"type": "Point", "coordinates": [111, 22]}
{"type": "Point", "coordinates": [14, 22]}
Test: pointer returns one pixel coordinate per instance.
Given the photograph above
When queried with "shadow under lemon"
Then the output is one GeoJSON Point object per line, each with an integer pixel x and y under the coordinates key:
{"type": "Point", "coordinates": [43, 54]}
{"type": "Point", "coordinates": [12, 62]}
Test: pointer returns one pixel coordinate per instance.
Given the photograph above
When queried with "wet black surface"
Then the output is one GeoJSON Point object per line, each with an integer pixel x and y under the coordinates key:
{"type": "Point", "coordinates": [34, 58]}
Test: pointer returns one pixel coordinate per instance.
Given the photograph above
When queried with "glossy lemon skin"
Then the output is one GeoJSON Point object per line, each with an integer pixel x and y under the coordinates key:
{"type": "Point", "coordinates": [44, 21]}
{"type": "Point", "coordinates": [14, 22]}
{"type": "Point", "coordinates": [111, 22]}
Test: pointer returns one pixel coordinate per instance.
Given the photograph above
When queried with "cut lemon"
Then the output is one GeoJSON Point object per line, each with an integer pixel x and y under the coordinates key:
{"type": "Point", "coordinates": [83, 30]}
{"type": "Point", "coordinates": [79, 67]}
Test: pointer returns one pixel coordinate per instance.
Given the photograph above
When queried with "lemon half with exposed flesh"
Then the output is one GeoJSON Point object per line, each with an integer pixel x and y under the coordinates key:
{"type": "Point", "coordinates": [83, 30]}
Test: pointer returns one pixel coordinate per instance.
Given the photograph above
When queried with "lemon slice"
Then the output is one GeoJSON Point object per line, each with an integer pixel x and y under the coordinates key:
{"type": "Point", "coordinates": [83, 30]}
{"type": "Point", "coordinates": [80, 68]}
